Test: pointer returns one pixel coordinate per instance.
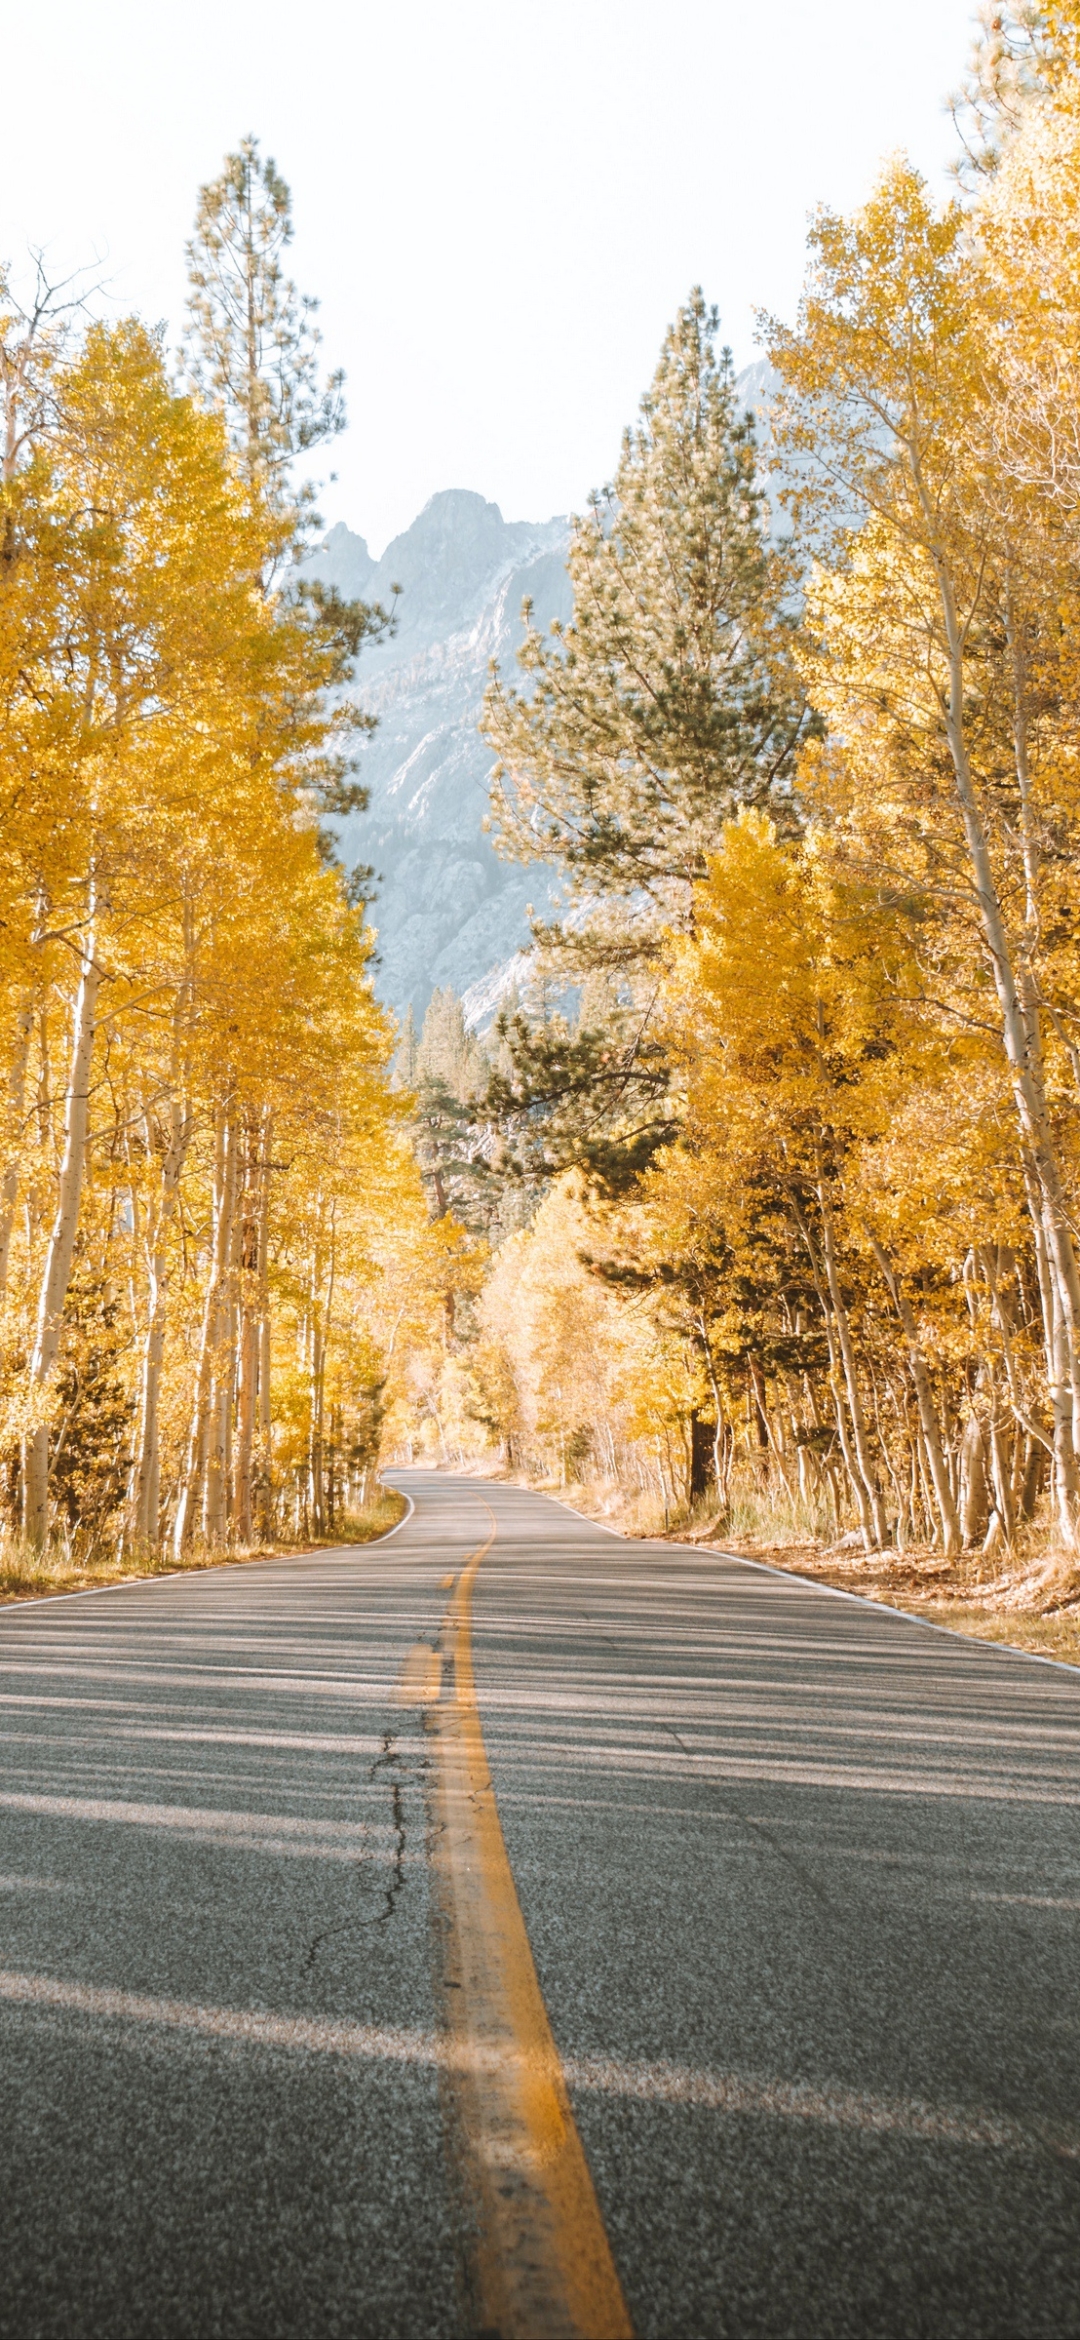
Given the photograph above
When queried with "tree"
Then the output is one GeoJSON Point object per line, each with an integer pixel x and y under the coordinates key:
{"type": "Point", "coordinates": [211, 1229]}
{"type": "Point", "coordinates": [854, 1246]}
{"type": "Point", "coordinates": [252, 354]}
{"type": "Point", "coordinates": [669, 700]}
{"type": "Point", "coordinates": [91, 1458]}
{"type": "Point", "coordinates": [145, 602]}
{"type": "Point", "coordinates": [252, 345]}
{"type": "Point", "coordinates": [895, 397]}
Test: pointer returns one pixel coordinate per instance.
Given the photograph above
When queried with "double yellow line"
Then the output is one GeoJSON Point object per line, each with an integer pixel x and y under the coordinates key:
{"type": "Point", "coordinates": [540, 2261]}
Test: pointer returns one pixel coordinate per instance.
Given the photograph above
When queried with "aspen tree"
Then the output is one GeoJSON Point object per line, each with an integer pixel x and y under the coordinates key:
{"type": "Point", "coordinates": [892, 396]}
{"type": "Point", "coordinates": [130, 461]}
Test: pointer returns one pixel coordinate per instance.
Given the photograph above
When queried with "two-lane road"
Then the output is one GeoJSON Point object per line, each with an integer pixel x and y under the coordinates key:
{"type": "Point", "coordinates": [801, 1881]}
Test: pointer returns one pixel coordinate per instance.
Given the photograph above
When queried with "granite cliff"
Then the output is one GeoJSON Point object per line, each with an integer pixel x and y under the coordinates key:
{"type": "Point", "coordinates": [448, 911]}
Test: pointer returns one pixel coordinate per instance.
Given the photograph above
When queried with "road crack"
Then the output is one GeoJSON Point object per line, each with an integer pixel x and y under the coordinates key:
{"type": "Point", "coordinates": [387, 1760]}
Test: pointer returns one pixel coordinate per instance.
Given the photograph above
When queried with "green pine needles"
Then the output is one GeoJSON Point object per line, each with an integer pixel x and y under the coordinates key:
{"type": "Point", "coordinates": [670, 698]}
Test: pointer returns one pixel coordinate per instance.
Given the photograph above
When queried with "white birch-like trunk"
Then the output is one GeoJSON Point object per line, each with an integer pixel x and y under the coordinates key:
{"type": "Point", "coordinates": [1020, 1033]}
{"type": "Point", "coordinates": [939, 1469]}
{"type": "Point", "coordinates": [824, 1288]}
{"type": "Point", "coordinates": [146, 1485]}
{"type": "Point", "coordinates": [252, 1457]}
{"type": "Point", "coordinates": [246, 1351]}
{"type": "Point", "coordinates": [24, 1025]}
{"type": "Point", "coordinates": [866, 1473]}
{"type": "Point", "coordinates": [265, 1464]}
{"type": "Point", "coordinates": [246, 1399]}
{"type": "Point", "coordinates": [56, 1275]}
{"type": "Point", "coordinates": [191, 1486]}
{"type": "Point", "coordinates": [222, 1350]}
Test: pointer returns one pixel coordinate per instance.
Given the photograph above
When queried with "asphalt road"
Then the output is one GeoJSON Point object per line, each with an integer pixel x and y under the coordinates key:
{"type": "Point", "coordinates": [801, 1880]}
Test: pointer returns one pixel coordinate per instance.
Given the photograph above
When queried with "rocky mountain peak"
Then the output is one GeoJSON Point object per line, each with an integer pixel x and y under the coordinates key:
{"type": "Point", "coordinates": [449, 913]}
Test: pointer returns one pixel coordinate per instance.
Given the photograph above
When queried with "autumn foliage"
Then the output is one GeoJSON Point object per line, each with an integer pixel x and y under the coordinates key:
{"type": "Point", "coordinates": [848, 1288]}
{"type": "Point", "coordinates": [201, 1157]}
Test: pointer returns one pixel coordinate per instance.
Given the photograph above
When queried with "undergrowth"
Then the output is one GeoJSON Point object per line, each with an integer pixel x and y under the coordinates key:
{"type": "Point", "coordinates": [28, 1573]}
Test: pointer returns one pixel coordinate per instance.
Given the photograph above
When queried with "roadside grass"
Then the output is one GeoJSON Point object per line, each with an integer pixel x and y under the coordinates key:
{"type": "Point", "coordinates": [382, 1512]}
{"type": "Point", "coordinates": [26, 1574]}
{"type": "Point", "coordinates": [1054, 1636]}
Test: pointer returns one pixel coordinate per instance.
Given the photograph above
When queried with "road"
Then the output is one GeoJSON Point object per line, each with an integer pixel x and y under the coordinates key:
{"type": "Point", "coordinates": [800, 1883]}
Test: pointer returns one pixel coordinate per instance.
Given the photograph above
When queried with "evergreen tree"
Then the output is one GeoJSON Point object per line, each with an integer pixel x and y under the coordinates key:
{"type": "Point", "coordinates": [448, 1053]}
{"type": "Point", "coordinates": [670, 698]}
{"type": "Point", "coordinates": [253, 352]}
{"type": "Point", "coordinates": [669, 701]}
{"type": "Point", "coordinates": [252, 343]}
{"type": "Point", "coordinates": [404, 1066]}
{"type": "Point", "coordinates": [451, 1136]}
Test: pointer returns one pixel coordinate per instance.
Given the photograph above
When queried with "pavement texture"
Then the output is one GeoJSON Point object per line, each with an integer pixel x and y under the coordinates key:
{"type": "Point", "coordinates": [801, 1878]}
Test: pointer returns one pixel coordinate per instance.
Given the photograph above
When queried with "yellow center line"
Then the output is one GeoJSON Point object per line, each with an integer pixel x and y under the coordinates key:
{"type": "Point", "coordinates": [541, 2265]}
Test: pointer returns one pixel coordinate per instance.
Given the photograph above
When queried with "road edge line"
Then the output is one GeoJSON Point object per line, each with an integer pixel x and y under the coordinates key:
{"type": "Point", "coordinates": [387, 1532]}
{"type": "Point", "coordinates": [86, 1592]}
{"type": "Point", "coordinates": [839, 1592]}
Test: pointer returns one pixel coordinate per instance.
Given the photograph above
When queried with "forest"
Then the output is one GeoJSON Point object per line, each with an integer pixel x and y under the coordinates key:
{"type": "Point", "coordinates": [758, 1204]}
{"type": "Point", "coordinates": [790, 1121]}
{"type": "Point", "coordinates": [212, 1229]}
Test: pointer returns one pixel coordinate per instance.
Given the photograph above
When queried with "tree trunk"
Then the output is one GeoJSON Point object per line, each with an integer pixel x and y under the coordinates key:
{"type": "Point", "coordinates": [1020, 1031]}
{"type": "Point", "coordinates": [195, 1467]}
{"type": "Point", "coordinates": [847, 1352]}
{"type": "Point", "coordinates": [223, 1352]}
{"type": "Point", "coordinates": [321, 1315]}
{"type": "Point", "coordinates": [146, 1478]}
{"type": "Point", "coordinates": [768, 1431]}
{"type": "Point", "coordinates": [718, 1408]}
{"type": "Point", "coordinates": [974, 1491]}
{"type": "Point", "coordinates": [245, 1420]}
{"type": "Point", "coordinates": [24, 1025]}
{"type": "Point", "coordinates": [939, 1469]}
{"type": "Point", "coordinates": [250, 1301]}
{"type": "Point", "coordinates": [58, 1258]}
{"type": "Point", "coordinates": [824, 1287]}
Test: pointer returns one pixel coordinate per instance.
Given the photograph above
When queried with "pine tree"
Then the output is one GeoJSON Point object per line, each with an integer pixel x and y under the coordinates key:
{"type": "Point", "coordinates": [669, 699]}
{"type": "Point", "coordinates": [252, 351]}
{"type": "Point", "coordinates": [447, 1052]}
{"type": "Point", "coordinates": [451, 1139]}
{"type": "Point", "coordinates": [404, 1066]}
{"type": "Point", "coordinates": [252, 343]}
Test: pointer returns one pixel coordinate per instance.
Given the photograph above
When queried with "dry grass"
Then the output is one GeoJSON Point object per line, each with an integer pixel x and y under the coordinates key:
{"type": "Point", "coordinates": [1055, 1636]}
{"type": "Point", "coordinates": [1036, 1607]}
{"type": "Point", "coordinates": [29, 1575]}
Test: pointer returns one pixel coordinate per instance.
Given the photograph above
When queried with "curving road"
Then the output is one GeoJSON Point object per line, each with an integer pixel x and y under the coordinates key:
{"type": "Point", "coordinates": [801, 1881]}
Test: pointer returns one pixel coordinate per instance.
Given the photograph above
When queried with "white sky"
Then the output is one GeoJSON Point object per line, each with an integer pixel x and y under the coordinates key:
{"type": "Point", "coordinates": [499, 206]}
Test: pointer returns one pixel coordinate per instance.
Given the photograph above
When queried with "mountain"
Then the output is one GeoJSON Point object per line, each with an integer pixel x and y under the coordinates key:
{"type": "Point", "coordinates": [448, 911]}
